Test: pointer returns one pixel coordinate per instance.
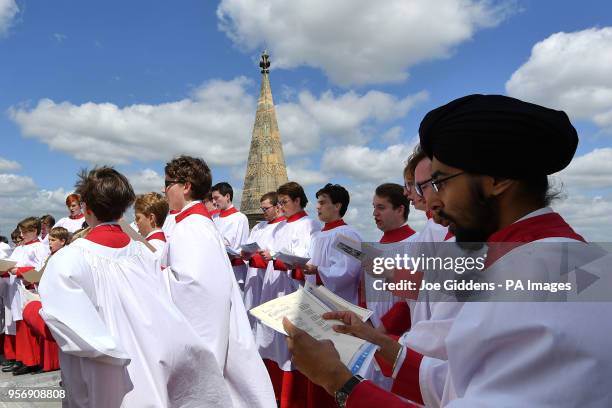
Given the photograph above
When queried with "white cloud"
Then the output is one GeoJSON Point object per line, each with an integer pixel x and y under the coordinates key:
{"type": "Point", "coordinates": [14, 185]}
{"type": "Point", "coordinates": [570, 71]}
{"type": "Point", "coordinates": [8, 165]}
{"type": "Point", "coordinates": [306, 177]}
{"type": "Point", "coordinates": [356, 41]}
{"type": "Point", "coordinates": [368, 164]}
{"type": "Point", "coordinates": [592, 170]}
{"type": "Point", "coordinates": [31, 203]}
{"type": "Point", "coordinates": [346, 117]}
{"type": "Point", "coordinates": [59, 37]}
{"type": "Point", "coordinates": [589, 216]}
{"type": "Point", "coordinates": [146, 181]}
{"type": "Point", "coordinates": [8, 10]}
{"type": "Point", "coordinates": [393, 135]}
{"type": "Point", "coordinates": [215, 123]}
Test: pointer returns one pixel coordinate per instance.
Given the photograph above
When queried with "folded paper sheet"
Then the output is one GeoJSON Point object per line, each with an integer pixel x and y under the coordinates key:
{"type": "Point", "coordinates": [304, 310]}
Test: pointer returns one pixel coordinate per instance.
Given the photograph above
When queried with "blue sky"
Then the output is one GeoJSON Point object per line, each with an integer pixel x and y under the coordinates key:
{"type": "Point", "coordinates": [133, 83]}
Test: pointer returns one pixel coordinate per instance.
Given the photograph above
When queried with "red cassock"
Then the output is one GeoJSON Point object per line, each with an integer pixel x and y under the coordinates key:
{"type": "Point", "coordinates": [397, 320]}
{"type": "Point", "coordinates": [48, 349]}
{"type": "Point", "coordinates": [27, 345]}
{"type": "Point", "coordinates": [367, 395]}
{"type": "Point", "coordinates": [294, 390]}
{"type": "Point", "coordinates": [9, 346]}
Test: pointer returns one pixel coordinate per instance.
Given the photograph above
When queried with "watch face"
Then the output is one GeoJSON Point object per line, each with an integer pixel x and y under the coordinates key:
{"type": "Point", "coordinates": [341, 398]}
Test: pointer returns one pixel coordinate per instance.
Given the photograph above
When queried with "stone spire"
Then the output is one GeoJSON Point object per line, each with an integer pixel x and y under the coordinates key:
{"type": "Point", "coordinates": [266, 165]}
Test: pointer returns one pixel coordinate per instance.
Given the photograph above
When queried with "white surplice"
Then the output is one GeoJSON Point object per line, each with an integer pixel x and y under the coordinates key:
{"type": "Point", "coordinates": [431, 320]}
{"type": "Point", "coordinates": [158, 240]}
{"type": "Point", "coordinates": [294, 236]}
{"type": "Point", "coordinates": [169, 224]}
{"type": "Point", "coordinates": [263, 233]}
{"type": "Point", "coordinates": [5, 250]}
{"type": "Point", "coordinates": [123, 343]}
{"type": "Point", "coordinates": [339, 272]}
{"type": "Point", "coordinates": [71, 224]}
{"type": "Point", "coordinates": [234, 228]}
{"type": "Point", "coordinates": [201, 283]}
{"type": "Point", "coordinates": [515, 353]}
{"type": "Point", "coordinates": [545, 354]}
{"type": "Point", "coordinates": [31, 254]}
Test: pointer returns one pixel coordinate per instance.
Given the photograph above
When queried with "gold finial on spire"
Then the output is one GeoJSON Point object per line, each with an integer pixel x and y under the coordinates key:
{"type": "Point", "coordinates": [264, 63]}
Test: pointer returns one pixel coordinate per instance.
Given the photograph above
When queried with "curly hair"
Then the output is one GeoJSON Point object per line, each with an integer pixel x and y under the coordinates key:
{"type": "Point", "coordinates": [193, 170]}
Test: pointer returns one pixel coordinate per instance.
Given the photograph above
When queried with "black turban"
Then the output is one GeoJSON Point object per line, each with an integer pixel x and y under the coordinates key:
{"type": "Point", "coordinates": [500, 136]}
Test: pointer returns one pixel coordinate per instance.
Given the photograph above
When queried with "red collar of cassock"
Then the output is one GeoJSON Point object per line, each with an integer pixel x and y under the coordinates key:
{"type": "Point", "coordinates": [297, 216]}
{"type": "Point", "coordinates": [228, 212]}
{"type": "Point", "coordinates": [279, 219]}
{"type": "Point", "coordinates": [32, 241]}
{"type": "Point", "coordinates": [397, 235]}
{"type": "Point", "coordinates": [216, 211]}
{"type": "Point", "coordinates": [159, 235]}
{"type": "Point", "coordinates": [76, 217]}
{"type": "Point", "coordinates": [109, 235]}
{"type": "Point", "coordinates": [198, 208]}
{"type": "Point", "coordinates": [334, 224]}
{"type": "Point", "coordinates": [550, 225]}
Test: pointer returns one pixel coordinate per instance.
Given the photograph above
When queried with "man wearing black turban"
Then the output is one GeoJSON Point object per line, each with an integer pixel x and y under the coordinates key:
{"type": "Point", "coordinates": [495, 152]}
{"type": "Point", "coordinates": [491, 156]}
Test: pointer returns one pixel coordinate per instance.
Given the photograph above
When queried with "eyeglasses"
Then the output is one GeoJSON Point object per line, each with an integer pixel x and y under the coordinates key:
{"type": "Point", "coordinates": [284, 202]}
{"type": "Point", "coordinates": [409, 185]}
{"type": "Point", "coordinates": [265, 209]}
{"type": "Point", "coordinates": [170, 183]}
{"type": "Point", "coordinates": [419, 187]}
{"type": "Point", "coordinates": [435, 184]}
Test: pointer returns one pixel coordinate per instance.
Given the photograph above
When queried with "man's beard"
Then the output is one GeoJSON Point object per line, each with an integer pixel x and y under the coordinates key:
{"type": "Point", "coordinates": [483, 212]}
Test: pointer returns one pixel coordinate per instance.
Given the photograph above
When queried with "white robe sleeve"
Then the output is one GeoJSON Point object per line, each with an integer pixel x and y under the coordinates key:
{"type": "Point", "coordinates": [70, 313]}
{"type": "Point", "coordinates": [341, 274]}
{"type": "Point", "coordinates": [40, 256]}
{"type": "Point", "coordinates": [302, 237]}
{"type": "Point", "coordinates": [432, 379]}
{"type": "Point", "coordinates": [243, 231]}
{"type": "Point", "coordinates": [526, 349]}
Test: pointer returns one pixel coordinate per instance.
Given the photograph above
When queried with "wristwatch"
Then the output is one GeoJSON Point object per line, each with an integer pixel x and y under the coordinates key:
{"type": "Point", "coordinates": [343, 393]}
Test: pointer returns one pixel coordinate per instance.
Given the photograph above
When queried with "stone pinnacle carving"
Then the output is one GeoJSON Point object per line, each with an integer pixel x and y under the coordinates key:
{"type": "Point", "coordinates": [266, 165]}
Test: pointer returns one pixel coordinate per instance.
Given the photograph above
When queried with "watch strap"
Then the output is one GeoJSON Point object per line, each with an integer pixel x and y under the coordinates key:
{"type": "Point", "coordinates": [343, 393]}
